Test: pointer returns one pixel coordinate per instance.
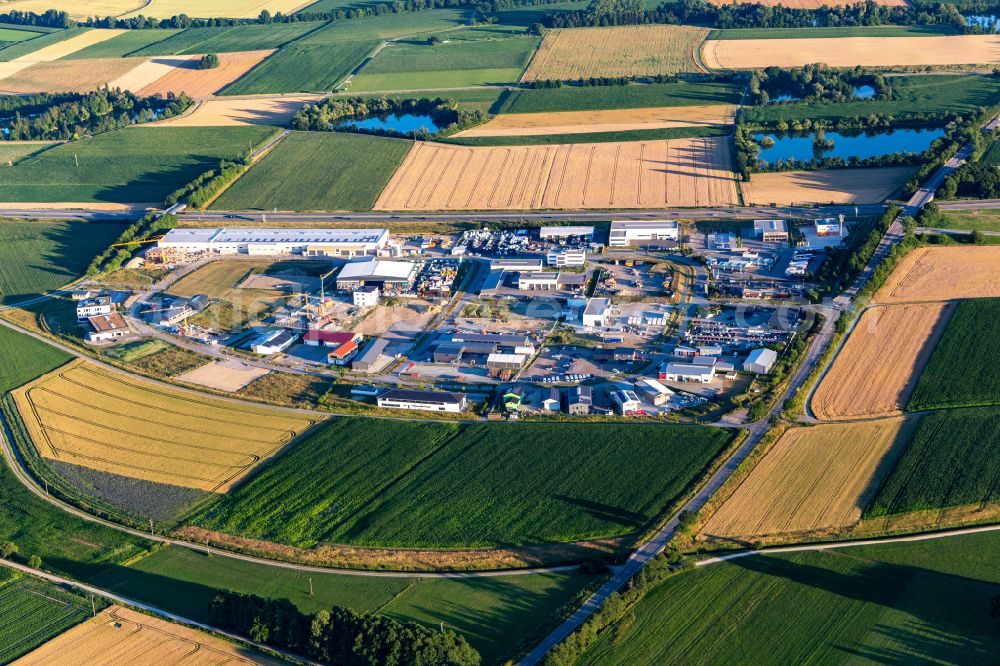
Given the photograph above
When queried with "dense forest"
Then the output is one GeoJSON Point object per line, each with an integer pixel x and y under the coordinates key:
{"type": "Point", "coordinates": [814, 84]}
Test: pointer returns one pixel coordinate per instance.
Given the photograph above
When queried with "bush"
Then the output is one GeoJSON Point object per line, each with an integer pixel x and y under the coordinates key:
{"type": "Point", "coordinates": [209, 61]}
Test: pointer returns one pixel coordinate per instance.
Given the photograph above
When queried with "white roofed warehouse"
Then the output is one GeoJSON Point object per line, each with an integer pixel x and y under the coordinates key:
{"type": "Point", "coordinates": [306, 242]}
{"type": "Point", "coordinates": [378, 272]}
{"type": "Point", "coordinates": [624, 234]}
{"type": "Point", "coordinates": [432, 401]}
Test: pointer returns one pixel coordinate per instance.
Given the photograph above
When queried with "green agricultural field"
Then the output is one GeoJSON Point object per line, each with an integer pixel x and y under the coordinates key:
{"type": "Point", "coordinates": [952, 460]}
{"type": "Point", "coordinates": [39, 255]}
{"type": "Point", "coordinates": [334, 5]}
{"type": "Point", "coordinates": [124, 44]}
{"type": "Point", "coordinates": [992, 154]}
{"type": "Point", "coordinates": [21, 48]}
{"type": "Point", "coordinates": [487, 611]}
{"type": "Point", "coordinates": [427, 485]}
{"type": "Point", "coordinates": [133, 165]}
{"type": "Point", "coordinates": [10, 35]}
{"type": "Point", "coordinates": [880, 604]}
{"type": "Point", "coordinates": [477, 56]}
{"type": "Point", "coordinates": [971, 220]}
{"type": "Point", "coordinates": [12, 153]}
{"type": "Point", "coordinates": [961, 371]}
{"type": "Point", "coordinates": [528, 15]}
{"type": "Point", "coordinates": [592, 137]}
{"type": "Point", "coordinates": [251, 37]}
{"type": "Point", "coordinates": [635, 96]}
{"type": "Point", "coordinates": [318, 171]}
{"type": "Point", "coordinates": [33, 612]}
{"type": "Point", "coordinates": [815, 33]}
{"type": "Point", "coordinates": [22, 359]}
{"type": "Point", "coordinates": [912, 96]}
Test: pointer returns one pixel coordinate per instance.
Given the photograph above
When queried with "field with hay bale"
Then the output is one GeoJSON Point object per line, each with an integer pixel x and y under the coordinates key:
{"type": "Point", "coordinates": [645, 50]}
{"type": "Point", "coordinates": [635, 174]}
{"type": "Point", "coordinates": [826, 186]}
{"type": "Point", "coordinates": [943, 273]}
{"type": "Point", "coordinates": [815, 478]}
{"type": "Point", "coordinates": [878, 367]}
{"type": "Point", "coordinates": [85, 415]}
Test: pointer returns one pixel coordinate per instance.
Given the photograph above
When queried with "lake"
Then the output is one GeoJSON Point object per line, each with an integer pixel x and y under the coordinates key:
{"type": "Point", "coordinates": [799, 146]}
{"type": "Point", "coordinates": [402, 123]}
{"type": "Point", "coordinates": [860, 92]}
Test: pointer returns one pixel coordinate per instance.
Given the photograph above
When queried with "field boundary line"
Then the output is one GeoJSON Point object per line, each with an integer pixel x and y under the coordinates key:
{"type": "Point", "coordinates": [696, 52]}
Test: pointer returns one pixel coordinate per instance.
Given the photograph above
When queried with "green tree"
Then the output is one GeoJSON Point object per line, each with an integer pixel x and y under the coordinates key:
{"type": "Point", "coordinates": [209, 61]}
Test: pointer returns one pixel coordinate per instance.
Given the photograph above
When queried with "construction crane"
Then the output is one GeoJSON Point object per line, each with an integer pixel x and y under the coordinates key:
{"type": "Point", "coordinates": [139, 242]}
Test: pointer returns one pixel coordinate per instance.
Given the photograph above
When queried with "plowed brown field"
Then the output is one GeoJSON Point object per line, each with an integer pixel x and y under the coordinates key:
{"type": "Point", "coordinates": [838, 186]}
{"type": "Point", "coordinates": [204, 82]}
{"type": "Point", "coordinates": [642, 50]}
{"type": "Point", "coordinates": [944, 273]}
{"type": "Point", "coordinates": [816, 478]}
{"type": "Point", "coordinates": [637, 174]}
{"type": "Point", "coordinates": [619, 120]}
{"type": "Point", "coordinates": [118, 635]}
{"type": "Point", "coordinates": [852, 51]}
{"type": "Point", "coordinates": [877, 368]}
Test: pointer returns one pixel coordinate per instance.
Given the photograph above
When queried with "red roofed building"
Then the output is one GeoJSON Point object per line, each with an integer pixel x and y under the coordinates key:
{"type": "Point", "coordinates": [343, 354]}
{"type": "Point", "coordinates": [315, 338]}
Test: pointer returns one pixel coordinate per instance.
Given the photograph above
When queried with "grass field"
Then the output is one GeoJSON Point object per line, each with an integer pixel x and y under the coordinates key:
{"type": "Point", "coordinates": [118, 634]}
{"type": "Point", "coordinates": [815, 478]}
{"type": "Point", "coordinates": [23, 359]}
{"type": "Point", "coordinates": [33, 612]}
{"type": "Point", "coordinates": [852, 31]}
{"type": "Point", "coordinates": [925, 602]}
{"type": "Point", "coordinates": [634, 96]}
{"type": "Point", "coordinates": [877, 369]}
{"type": "Point", "coordinates": [637, 174]}
{"type": "Point", "coordinates": [851, 51]}
{"type": "Point", "coordinates": [833, 186]}
{"type": "Point", "coordinates": [437, 485]}
{"type": "Point", "coordinates": [126, 44]}
{"type": "Point", "coordinates": [224, 39]}
{"type": "Point", "coordinates": [28, 46]}
{"type": "Point", "coordinates": [912, 95]}
{"type": "Point", "coordinates": [952, 460]}
{"type": "Point", "coordinates": [318, 171]}
{"type": "Point", "coordinates": [39, 255]}
{"type": "Point", "coordinates": [477, 56]}
{"type": "Point", "coordinates": [943, 273]}
{"type": "Point", "coordinates": [583, 53]}
{"type": "Point", "coordinates": [85, 415]}
{"type": "Point", "coordinates": [954, 377]}
{"type": "Point", "coordinates": [10, 35]}
{"type": "Point", "coordinates": [494, 614]}
{"type": "Point", "coordinates": [133, 165]}
{"type": "Point", "coordinates": [981, 220]}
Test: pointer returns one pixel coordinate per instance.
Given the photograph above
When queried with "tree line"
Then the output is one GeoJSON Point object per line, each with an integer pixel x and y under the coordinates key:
{"type": "Point", "coordinates": [329, 114]}
{"type": "Point", "coordinates": [66, 116]}
{"type": "Point", "coordinates": [113, 258]}
{"type": "Point", "coordinates": [814, 84]}
{"type": "Point", "coordinates": [339, 636]}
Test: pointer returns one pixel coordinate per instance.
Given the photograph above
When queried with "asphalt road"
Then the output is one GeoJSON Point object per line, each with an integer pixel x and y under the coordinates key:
{"type": "Point", "coordinates": [975, 204]}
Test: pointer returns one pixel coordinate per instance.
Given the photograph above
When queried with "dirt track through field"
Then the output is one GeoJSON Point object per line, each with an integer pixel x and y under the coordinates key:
{"type": "Point", "coordinates": [877, 369]}
{"type": "Point", "coordinates": [943, 273]}
{"type": "Point", "coordinates": [815, 478]}
{"type": "Point", "coordinates": [637, 174]}
{"type": "Point", "coordinates": [645, 50]}
{"type": "Point", "coordinates": [619, 120]}
{"type": "Point", "coordinates": [852, 51]}
{"type": "Point", "coordinates": [837, 186]}
{"type": "Point", "coordinates": [204, 82]}
{"type": "Point", "coordinates": [227, 112]}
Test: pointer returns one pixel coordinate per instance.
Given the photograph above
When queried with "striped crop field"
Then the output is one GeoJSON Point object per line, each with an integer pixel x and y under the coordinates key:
{"type": "Point", "coordinates": [86, 415]}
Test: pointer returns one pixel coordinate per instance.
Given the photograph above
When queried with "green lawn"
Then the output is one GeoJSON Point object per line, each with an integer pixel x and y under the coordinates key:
{"type": "Point", "coordinates": [124, 44]}
{"type": "Point", "coordinates": [251, 37]}
{"type": "Point", "coordinates": [913, 95]}
{"type": "Point", "coordinates": [425, 485]}
{"type": "Point", "coordinates": [318, 171]}
{"type": "Point", "coordinates": [33, 611]}
{"type": "Point", "coordinates": [133, 165]}
{"type": "Point", "coordinates": [963, 371]}
{"type": "Point", "coordinates": [23, 359]}
{"type": "Point", "coordinates": [892, 604]}
{"type": "Point", "coordinates": [21, 48]}
{"type": "Point", "coordinates": [635, 96]}
{"type": "Point", "coordinates": [854, 31]}
{"type": "Point", "coordinates": [593, 137]}
{"type": "Point", "coordinates": [952, 460]}
{"type": "Point", "coordinates": [494, 614]}
{"type": "Point", "coordinates": [39, 255]}
{"type": "Point", "coordinates": [983, 220]}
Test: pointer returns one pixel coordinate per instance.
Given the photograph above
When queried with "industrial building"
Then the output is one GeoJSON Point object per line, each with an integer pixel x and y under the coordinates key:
{"type": "Point", "coordinates": [396, 275]}
{"type": "Point", "coordinates": [687, 372]}
{"type": "Point", "coordinates": [306, 242]}
{"type": "Point", "coordinates": [431, 401]}
{"type": "Point", "coordinates": [624, 234]}
{"type": "Point", "coordinates": [372, 358]}
{"type": "Point", "coordinates": [627, 402]}
{"type": "Point", "coordinates": [579, 400]}
{"type": "Point", "coordinates": [451, 349]}
{"type": "Point", "coordinates": [342, 354]}
{"type": "Point", "coordinates": [654, 391]}
{"type": "Point", "coordinates": [559, 234]}
{"type": "Point", "coordinates": [273, 342]}
{"type": "Point", "coordinates": [829, 226]}
{"type": "Point", "coordinates": [551, 402]}
{"type": "Point", "coordinates": [93, 307]}
{"type": "Point", "coordinates": [516, 264]}
{"type": "Point", "coordinates": [597, 312]}
{"type": "Point", "coordinates": [107, 327]}
{"type": "Point", "coordinates": [566, 257]}
{"type": "Point", "coordinates": [771, 231]}
{"type": "Point", "coordinates": [366, 296]}
{"type": "Point", "coordinates": [316, 338]}
{"type": "Point", "coordinates": [511, 362]}
{"type": "Point", "coordinates": [760, 361]}
{"type": "Point", "coordinates": [550, 281]}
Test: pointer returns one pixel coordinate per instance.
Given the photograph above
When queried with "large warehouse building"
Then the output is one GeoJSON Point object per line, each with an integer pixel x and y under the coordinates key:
{"type": "Point", "coordinates": [624, 234]}
{"type": "Point", "coordinates": [307, 242]}
{"type": "Point", "coordinates": [386, 275]}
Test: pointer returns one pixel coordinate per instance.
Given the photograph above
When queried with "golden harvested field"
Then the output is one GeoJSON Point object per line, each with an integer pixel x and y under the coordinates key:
{"type": "Point", "coordinates": [642, 50]}
{"type": "Point", "coordinates": [838, 186]}
{"type": "Point", "coordinates": [68, 46]}
{"type": "Point", "coordinates": [219, 8]}
{"type": "Point", "coordinates": [226, 112]}
{"type": "Point", "coordinates": [635, 174]}
{"type": "Point", "coordinates": [151, 71]}
{"type": "Point", "coordinates": [852, 51]}
{"type": "Point", "coordinates": [815, 478]}
{"type": "Point", "coordinates": [944, 273]}
{"type": "Point", "coordinates": [619, 120]}
{"type": "Point", "coordinates": [878, 367]}
{"type": "Point", "coordinates": [118, 635]}
{"type": "Point", "coordinates": [77, 9]}
{"type": "Point", "coordinates": [90, 416]}
{"type": "Point", "coordinates": [68, 75]}
{"type": "Point", "coordinates": [204, 82]}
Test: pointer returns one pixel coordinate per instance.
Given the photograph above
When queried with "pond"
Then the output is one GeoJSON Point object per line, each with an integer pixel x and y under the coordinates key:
{"type": "Point", "coordinates": [864, 92]}
{"type": "Point", "coordinates": [403, 123]}
{"type": "Point", "coordinates": [861, 145]}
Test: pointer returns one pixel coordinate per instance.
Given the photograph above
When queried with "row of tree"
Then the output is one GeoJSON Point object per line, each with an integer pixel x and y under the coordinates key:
{"type": "Point", "coordinates": [113, 258]}
{"type": "Point", "coordinates": [69, 116]}
{"type": "Point", "coordinates": [331, 113]}
{"type": "Point", "coordinates": [340, 635]}
{"type": "Point", "coordinates": [815, 83]}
